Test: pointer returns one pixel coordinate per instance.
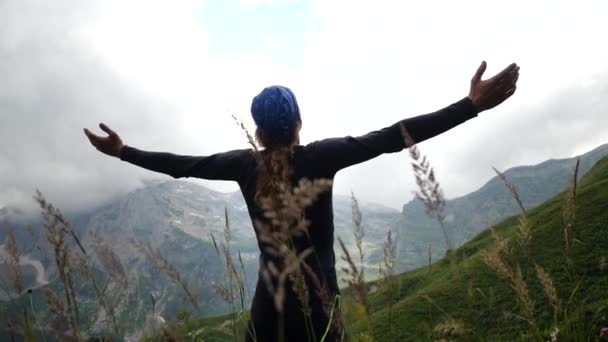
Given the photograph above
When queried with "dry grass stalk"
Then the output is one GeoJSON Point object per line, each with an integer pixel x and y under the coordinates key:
{"type": "Point", "coordinates": [568, 219]}
{"type": "Point", "coordinates": [59, 323]}
{"type": "Point", "coordinates": [285, 215]}
{"type": "Point", "coordinates": [328, 301]}
{"type": "Point", "coordinates": [359, 233]}
{"type": "Point", "coordinates": [356, 281]}
{"type": "Point", "coordinates": [430, 257]}
{"type": "Point", "coordinates": [250, 138]}
{"type": "Point", "coordinates": [425, 297]}
{"type": "Point", "coordinates": [56, 215]}
{"type": "Point", "coordinates": [602, 264]}
{"type": "Point", "coordinates": [389, 251]}
{"type": "Point", "coordinates": [235, 282]}
{"type": "Point", "coordinates": [227, 231]}
{"type": "Point", "coordinates": [568, 212]}
{"type": "Point", "coordinates": [299, 287]}
{"type": "Point", "coordinates": [275, 277]}
{"type": "Point", "coordinates": [357, 217]}
{"type": "Point", "coordinates": [112, 267]}
{"type": "Point", "coordinates": [170, 335]}
{"type": "Point", "coordinates": [511, 187]}
{"type": "Point", "coordinates": [57, 227]}
{"type": "Point", "coordinates": [217, 250]}
{"type": "Point", "coordinates": [498, 260]}
{"type": "Point", "coordinates": [14, 259]}
{"type": "Point", "coordinates": [494, 260]}
{"type": "Point", "coordinates": [387, 275]}
{"type": "Point", "coordinates": [547, 282]}
{"type": "Point", "coordinates": [521, 290]}
{"type": "Point", "coordinates": [80, 265]}
{"type": "Point", "coordinates": [575, 179]}
{"type": "Point", "coordinates": [110, 263]}
{"type": "Point", "coordinates": [524, 228]}
{"type": "Point", "coordinates": [159, 261]}
{"type": "Point", "coordinates": [232, 276]}
{"type": "Point", "coordinates": [470, 290]}
{"type": "Point", "coordinates": [243, 273]}
{"type": "Point", "coordinates": [429, 190]}
{"type": "Point", "coordinates": [231, 273]}
{"type": "Point", "coordinates": [226, 294]}
{"type": "Point", "coordinates": [450, 328]}
{"type": "Point", "coordinates": [285, 221]}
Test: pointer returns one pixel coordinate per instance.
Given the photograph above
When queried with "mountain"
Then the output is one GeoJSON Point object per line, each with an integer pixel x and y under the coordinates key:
{"type": "Point", "coordinates": [176, 218]}
{"type": "Point", "coordinates": [471, 292]}
{"type": "Point", "coordinates": [466, 216]}
{"type": "Point", "coordinates": [462, 298]}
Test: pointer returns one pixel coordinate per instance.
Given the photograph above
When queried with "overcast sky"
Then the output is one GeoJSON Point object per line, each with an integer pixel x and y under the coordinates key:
{"type": "Point", "coordinates": [167, 75]}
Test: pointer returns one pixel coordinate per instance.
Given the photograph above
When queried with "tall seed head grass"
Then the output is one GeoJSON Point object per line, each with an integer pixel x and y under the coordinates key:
{"type": "Point", "coordinates": [520, 288]}
{"type": "Point", "coordinates": [284, 221]}
{"type": "Point", "coordinates": [57, 227]}
{"type": "Point", "coordinates": [450, 328]}
{"type": "Point", "coordinates": [245, 131]}
{"type": "Point", "coordinates": [227, 231]}
{"type": "Point", "coordinates": [80, 265]}
{"type": "Point", "coordinates": [301, 290]}
{"type": "Point", "coordinates": [327, 301]}
{"type": "Point", "coordinates": [110, 262]}
{"type": "Point", "coordinates": [275, 277]}
{"type": "Point", "coordinates": [524, 228]}
{"type": "Point", "coordinates": [154, 256]}
{"type": "Point", "coordinates": [498, 260]}
{"type": "Point", "coordinates": [14, 259]}
{"type": "Point", "coordinates": [547, 282]}
{"type": "Point", "coordinates": [357, 280]}
{"type": "Point", "coordinates": [429, 191]}
{"type": "Point", "coordinates": [357, 217]}
{"type": "Point", "coordinates": [388, 271]}
{"type": "Point", "coordinates": [59, 323]}
{"type": "Point", "coordinates": [217, 250]}
{"type": "Point", "coordinates": [224, 293]}
{"type": "Point", "coordinates": [568, 211]}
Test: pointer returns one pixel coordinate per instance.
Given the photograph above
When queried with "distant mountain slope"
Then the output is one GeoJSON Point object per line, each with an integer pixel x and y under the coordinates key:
{"type": "Point", "coordinates": [468, 215]}
{"type": "Point", "coordinates": [178, 218]}
{"type": "Point", "coordinates": [465, 300]}
{"type": "Point", "coordinates": [472, 293]}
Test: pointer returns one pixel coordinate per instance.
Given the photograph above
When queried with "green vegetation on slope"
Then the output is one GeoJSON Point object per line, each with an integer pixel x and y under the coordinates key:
{"type": "Point", "coordinates": [462, 298]}
{"type": "Point", "coordinates": [471, 293]}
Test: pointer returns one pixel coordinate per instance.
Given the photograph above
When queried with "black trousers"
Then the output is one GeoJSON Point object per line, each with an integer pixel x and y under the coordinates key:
{"type": "Point", "coordinates": [291, 325]}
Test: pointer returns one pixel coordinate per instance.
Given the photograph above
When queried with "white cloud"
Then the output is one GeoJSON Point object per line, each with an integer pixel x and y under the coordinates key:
{"type": "Point", "coordinates": [368, 64]}
{"type": "Point", "coordinates": [254, 4]}
{"type": "Point", "coordinates": [145, 68]}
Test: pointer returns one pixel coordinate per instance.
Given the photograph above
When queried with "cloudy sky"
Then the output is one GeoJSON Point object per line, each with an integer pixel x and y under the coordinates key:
{"type": "Point", "coordinates": [167, 75]}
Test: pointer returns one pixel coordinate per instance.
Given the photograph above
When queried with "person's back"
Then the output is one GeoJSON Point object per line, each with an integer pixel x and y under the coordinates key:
{"type": "Point", "coordinates": [287, 188]}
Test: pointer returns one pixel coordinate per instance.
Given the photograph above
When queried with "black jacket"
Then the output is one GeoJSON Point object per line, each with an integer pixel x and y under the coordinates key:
{"type": "Point", "coordinates": [320, 159]}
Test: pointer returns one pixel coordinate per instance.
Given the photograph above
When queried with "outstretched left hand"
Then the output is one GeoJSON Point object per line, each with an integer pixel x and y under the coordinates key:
{"type": "Point", "coordinates": [110, 145]}
{"type": "Point", "coordinates": [487, 94]}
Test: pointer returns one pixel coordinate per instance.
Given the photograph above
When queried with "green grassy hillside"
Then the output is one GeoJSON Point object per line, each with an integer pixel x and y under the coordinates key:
{"type": "Point", "coordinates": [462, 298]}
{"type": "Point", "coordinates": [470, 292]}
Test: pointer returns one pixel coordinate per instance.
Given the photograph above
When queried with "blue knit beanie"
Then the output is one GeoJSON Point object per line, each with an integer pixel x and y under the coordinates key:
{"type": "Point", "coordinates": [275, 112]}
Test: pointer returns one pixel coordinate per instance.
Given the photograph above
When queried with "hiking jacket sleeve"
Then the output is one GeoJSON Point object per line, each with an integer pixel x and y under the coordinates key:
{"type": "Point", "coordinates": [220, 166]}
{"type": "Point", "coordinates": [338, 153]}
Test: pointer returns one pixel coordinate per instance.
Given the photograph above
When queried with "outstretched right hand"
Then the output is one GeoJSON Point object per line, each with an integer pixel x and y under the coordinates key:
{"type": "Point", "coordinates": [110, 145]}
{"type": "Point", "coordinates": [487, 94]}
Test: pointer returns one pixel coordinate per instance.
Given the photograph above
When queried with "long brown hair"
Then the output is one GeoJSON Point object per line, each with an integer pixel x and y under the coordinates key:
{"type": "Point", "coordinates": [275, 167]}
